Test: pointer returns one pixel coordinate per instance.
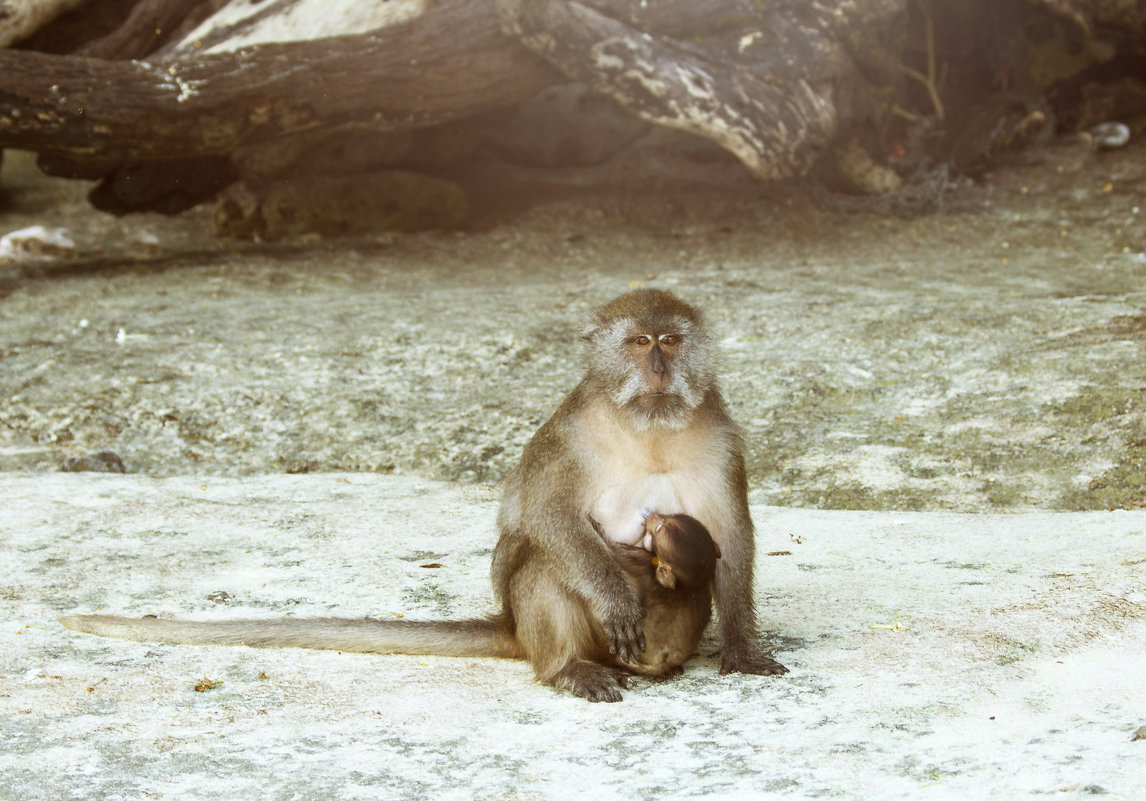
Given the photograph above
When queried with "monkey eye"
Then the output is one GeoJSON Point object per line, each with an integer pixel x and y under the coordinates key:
{"type": "Point", "coordinates": [670, 340]}
{"type": "Point", "coordinates": [642, 340]}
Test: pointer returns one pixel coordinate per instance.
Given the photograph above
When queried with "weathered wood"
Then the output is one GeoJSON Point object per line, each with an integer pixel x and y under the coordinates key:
{"type": "Point", "coordinates": [245, 23]}
{"type": "Point", "coordinates": [777, 83]}
{"type": "Point", "coordinates": [149, 26]}
{"type": "Point", "coordinates": [762, 83]}
{"type": "Point", "coordinates": [772, 108]}
{"type": "Point", "coordinates": [105, 112]}
{"type": "Point", "coordinates": [21, 18]}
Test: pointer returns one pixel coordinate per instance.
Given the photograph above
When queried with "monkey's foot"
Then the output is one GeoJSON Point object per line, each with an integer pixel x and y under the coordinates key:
{"type": "Point", "coordinates": [752, 662]}
{"type": "Point", "coordinates": [591, 681]}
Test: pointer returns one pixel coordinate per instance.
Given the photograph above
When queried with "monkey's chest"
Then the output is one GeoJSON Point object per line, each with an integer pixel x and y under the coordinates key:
{"type": "Point", "coordinates": [621, 508]}
{"type": "Point", "coordinates": [671, 472]}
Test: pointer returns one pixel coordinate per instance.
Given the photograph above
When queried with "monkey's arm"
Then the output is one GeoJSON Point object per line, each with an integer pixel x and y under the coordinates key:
{"type": "Point", "coordinates": [542, 512]}
{"type": "Point", "coordinates": [735, 603]}
{"type": "Point", "coordinates": [585, 565]}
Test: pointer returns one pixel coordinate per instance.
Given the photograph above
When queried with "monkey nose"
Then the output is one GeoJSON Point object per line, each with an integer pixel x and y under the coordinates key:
{"type": "Point", "coordinates": [657, 362]}
{"type": "Point", "coordinates": [653, 521]}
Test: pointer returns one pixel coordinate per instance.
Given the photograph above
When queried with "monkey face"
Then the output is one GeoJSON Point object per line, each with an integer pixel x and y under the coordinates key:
{"type": "Point", "coordinates": [684, 551]}
{"type": "Point", "coordinates": [652, 355]}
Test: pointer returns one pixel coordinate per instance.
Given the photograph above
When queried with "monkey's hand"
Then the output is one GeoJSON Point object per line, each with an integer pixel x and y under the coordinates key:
{"type": "Point", "coordinates": [622, 622]}
{"type": "Point", "coordinates": [750, 661]}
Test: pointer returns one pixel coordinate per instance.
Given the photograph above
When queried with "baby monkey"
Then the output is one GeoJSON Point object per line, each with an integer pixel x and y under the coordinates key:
{"type": "Point", "coordinates": [674, 587]}
{"type": "Point", "coordinates": [671, 576]}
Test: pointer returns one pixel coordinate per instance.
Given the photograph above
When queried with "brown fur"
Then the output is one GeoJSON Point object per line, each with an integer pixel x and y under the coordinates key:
{"type": "Point", "coordinates": [621, 441]}
{"type": "Point", "coordinates": [674, 583]}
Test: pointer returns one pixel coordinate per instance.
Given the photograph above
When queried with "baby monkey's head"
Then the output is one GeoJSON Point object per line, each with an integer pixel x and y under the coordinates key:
{"type": "Point", "coordinates": [683, 551]}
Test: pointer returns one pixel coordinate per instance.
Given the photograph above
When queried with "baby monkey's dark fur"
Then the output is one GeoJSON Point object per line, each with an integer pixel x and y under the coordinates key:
{"type": "Point", "coordinates": [672, 578]}
{"type": "Point", "coordinates": [676, 593]}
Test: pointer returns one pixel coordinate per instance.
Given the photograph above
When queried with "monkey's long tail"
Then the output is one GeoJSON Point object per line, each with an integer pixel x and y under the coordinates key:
{"type": "Point", "coordinates": [478, 637]}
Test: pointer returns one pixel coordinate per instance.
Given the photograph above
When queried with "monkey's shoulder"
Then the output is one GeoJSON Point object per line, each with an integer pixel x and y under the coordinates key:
{"type": "Point", "coordinates": [553, 438]}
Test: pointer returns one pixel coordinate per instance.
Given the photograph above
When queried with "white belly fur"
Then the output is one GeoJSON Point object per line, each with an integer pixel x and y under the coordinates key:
{"type": "Point", "coordinates": [621, 510]}
{"type": "Point", "coordinates": [635, 474]}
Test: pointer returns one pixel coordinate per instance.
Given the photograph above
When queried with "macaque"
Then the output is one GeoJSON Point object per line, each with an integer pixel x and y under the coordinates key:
{"type": "Point", "coordinates": [646, 428]}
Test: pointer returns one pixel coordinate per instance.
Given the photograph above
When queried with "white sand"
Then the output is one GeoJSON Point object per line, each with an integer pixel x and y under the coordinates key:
{"type": "Point", "coordinates": [940, 656]}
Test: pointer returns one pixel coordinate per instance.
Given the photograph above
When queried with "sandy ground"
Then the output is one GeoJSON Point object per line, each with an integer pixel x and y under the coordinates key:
{"type": "Point", "coordinates": [932, 655]}
{"type": "Point", "coordinates": [946, 418]}
{"type": "Point", "coordinates": [986, 358]}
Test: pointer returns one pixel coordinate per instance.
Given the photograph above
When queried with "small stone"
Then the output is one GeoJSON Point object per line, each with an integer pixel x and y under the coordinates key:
{"type": "Point", "coordinates": [333, 206]}
{"type": "Point", "coordinates": [102, 462]}
{"type": "Point", "coordinates": [37, 243]}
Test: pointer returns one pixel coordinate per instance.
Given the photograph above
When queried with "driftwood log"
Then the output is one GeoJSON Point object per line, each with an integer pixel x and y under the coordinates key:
{"type": "Point", "coordinates": [737, 88]}
{"type": "Point", "coordinates": [98, 112]}
{"type": "Point", "coordinates": [166, 105]}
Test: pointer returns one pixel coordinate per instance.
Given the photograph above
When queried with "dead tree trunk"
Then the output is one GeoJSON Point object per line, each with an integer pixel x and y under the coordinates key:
{"type": "Point", "coordinates": [94, 114]}
{"type": "Point", "coordinates": [18, 20]}
{"type": "Point", "coordinates": [734, 80]}
{"type": "Point", "coordinates": [776, 83]}
{"type": "Point", "coordinates": [737, 82]}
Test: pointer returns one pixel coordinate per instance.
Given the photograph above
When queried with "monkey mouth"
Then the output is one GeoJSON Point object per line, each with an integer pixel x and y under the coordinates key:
{"type": "Point", "coordinates": [658, 399]}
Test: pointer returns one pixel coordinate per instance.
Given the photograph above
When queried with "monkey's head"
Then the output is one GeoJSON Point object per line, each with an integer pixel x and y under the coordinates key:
{"type": "Point", "coordinates": [684, 552]}
{"type": "Point", "coordinates": [652, 355]}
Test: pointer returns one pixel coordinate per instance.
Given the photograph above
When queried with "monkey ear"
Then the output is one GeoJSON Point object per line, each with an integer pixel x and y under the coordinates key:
{"type": "Point", "coordinates": [665, 576]}
{"type": "Point", "coordinates": [717, 549]}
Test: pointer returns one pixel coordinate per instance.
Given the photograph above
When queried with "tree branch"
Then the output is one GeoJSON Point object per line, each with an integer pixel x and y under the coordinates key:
{"type": "Point", "coordinates": [776, 122]}
{"type": "Point", "coordinates": [104, 112]}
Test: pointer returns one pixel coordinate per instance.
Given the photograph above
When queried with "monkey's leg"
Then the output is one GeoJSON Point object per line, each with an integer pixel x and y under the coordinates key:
{"type": "Point", "coordinates": [560, 638]}
{"type": "Point", "coordinates": [737, 616]}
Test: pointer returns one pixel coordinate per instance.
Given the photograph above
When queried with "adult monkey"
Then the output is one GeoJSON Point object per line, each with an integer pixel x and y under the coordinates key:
{"type": "Point", "coordinates": [646, 429]}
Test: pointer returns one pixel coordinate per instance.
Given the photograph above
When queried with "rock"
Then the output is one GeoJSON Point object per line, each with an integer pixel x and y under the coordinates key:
{"type": "Point", "coordinates": [1110, 135]}
{"type": "Point", "coordinates": [102, 462]}
{"type": "Point", "coordinates": [168, 187]}
{"type": "Point", "coordinates": [860, 174]}
{"type": "Point", "coordinates": [391, 200]}
{"type": "Point", "coordinates": [322, 154]}
{"type": "Point", "coordinates": [37, 243]}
